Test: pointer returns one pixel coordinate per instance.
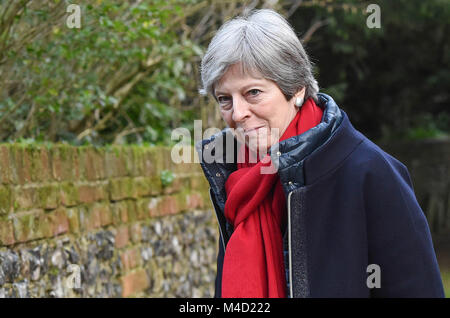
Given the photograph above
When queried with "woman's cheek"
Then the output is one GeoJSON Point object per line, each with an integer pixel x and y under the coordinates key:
{"type": "Point", "coordinates": [227, 117]}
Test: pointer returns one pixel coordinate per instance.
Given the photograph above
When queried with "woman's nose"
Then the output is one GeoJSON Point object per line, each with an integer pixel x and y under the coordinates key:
{"type": "Point", "coordinates": [240, 110]}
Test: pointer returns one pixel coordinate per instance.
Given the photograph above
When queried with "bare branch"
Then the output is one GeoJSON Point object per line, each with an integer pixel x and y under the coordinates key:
{"type": "Point", "coordinates": [294, 8]}
{"type": "Point", "coordinates": [127, 132]}
{"type": "Point", "coordinates": [313, 28]}
{"type": "Point", "coordinates": [29, 118]}
{"type": "Point", "coordinates": [11, 111]}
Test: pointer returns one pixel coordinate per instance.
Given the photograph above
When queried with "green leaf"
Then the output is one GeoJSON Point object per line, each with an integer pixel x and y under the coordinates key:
{"type": "Point", "coordinates": [167, 177]}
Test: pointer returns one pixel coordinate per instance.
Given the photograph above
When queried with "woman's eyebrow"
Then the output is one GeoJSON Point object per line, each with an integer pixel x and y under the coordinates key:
{"type": "Point", "coordinates": [243, 88]}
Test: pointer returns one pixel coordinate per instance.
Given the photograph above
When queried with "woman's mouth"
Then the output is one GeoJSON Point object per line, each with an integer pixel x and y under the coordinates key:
{"type": "Point", "coordinates": [247, 130]}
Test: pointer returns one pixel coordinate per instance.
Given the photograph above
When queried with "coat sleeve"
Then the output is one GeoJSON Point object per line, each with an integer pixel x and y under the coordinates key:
{"type": "Point", "coordinates": [399, 238]}
{"type": "Point", "coordinates": [218, 283]}
{"type": "Point", "coordinates": [221, 251]}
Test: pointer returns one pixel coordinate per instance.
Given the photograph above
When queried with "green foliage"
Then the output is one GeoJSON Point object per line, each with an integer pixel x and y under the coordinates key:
{"type": "Point", "coordinates": [167, 177]}
{"type": "Point", "coordinates": [124, 72]}
{"type": "Point", "coordinates": [386, 79]}
{"type": "Point", "coordinates": [429, 126]}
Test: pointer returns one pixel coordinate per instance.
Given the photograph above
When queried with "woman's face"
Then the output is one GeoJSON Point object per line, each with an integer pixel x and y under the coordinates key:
{"type": "Point", "coordinates": [255, 107]}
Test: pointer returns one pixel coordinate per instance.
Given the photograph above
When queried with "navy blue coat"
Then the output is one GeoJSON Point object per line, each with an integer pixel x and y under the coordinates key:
{"type": "Point", "coordinates": [350, 204]}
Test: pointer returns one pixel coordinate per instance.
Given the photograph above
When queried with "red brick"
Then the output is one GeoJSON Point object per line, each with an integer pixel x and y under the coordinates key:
{"type": "Point", "coordinates": [73, 218]}
{"type": "Point", "coordinates": [115, 162]}
{"type": "Point", "coordinates": [86, 194]}
{"type": "Point", "coordinates": [5, 200]}
{"type": "Point", "coordinates": [133, 209]}
{"type": "Point", "coordinates": [65, 163]}
{"type": "Point", "coordinates": [6, 233]}
{"type": "Point", "coordinates": [165, 154]}
{"type": "Point", "coordinates": [198, 182]}
{"type": "Point", "coordinates": [60, 221]}
{"type": "Point", "coordinates": [56, 164]}
{"type": "Point", "coordinates": [40, 163]}
{"type": "Point", "coordinates": [23, 227]}
{"type": "Point", "coordinates": [45, 224]}
{"type": "Point", "coordinates": [95, 220]}
{"type": "Point", "coordinates": [6, 175]}
{"type": "Point", "coordinates": [147, 186]}
{"type": "Point", "coordinates": [175, 186]}
{"type": "Point", "coordinates": [48, 196]}
{"type": "Point", "coordinates": [194, 201]}
{"type": "Point", "coordinates": [94, 166]}
{"type": "Point", "coordinates": [21, 164]}
{"type": "Point", "coordinates": [152, 163]}
{"type": "Point", "coordinates": [69, 195]}
{"type": "Point", "coordinates": [134, 282]}
{"type": "Point", "coordinates": [191, 168]}
{"type": "Point", "coordinates": [32, 225]}
{"type": "Point", "coordinates": [91, 193]}
{"type": "Point", "coordinates": [27, 173]}
{"type": "Point", "coordinates": [90, 218]}
{"type": "Point", "coordinates": [168, 205]}
{"type": "Point", "coordinates": [119, 212]}
{"type": "Point", "coordinates": [130, 258]}
{"type": "Point", "coordinates": [153, 207]}
{"type": "Point", "coordinates": [122, 236]}
{"type": "Point", "coordinates": [135, 232]}
{"type": "Point", "coordinates": [45, 164]}
{"type": "Point", "coordinates": [105, 213]}
{"type": "Point", "coordinates": [122, 188]}
{"type": "Point", "coordinates": [124, 215]}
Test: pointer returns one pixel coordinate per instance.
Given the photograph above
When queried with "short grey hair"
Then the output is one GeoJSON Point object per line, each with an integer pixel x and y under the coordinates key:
{"type": "Point", "coordinates": [262, 41]}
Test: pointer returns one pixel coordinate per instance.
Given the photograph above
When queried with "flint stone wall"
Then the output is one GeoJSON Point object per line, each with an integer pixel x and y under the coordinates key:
{"type": "Point", "coordinates": [105, 214]}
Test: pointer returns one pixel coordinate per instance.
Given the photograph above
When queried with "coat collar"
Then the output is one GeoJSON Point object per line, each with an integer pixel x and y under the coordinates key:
{"type": "Point", "coordinates": [333, 152]}
{"type": "Point", "coordinates": [295, 150]}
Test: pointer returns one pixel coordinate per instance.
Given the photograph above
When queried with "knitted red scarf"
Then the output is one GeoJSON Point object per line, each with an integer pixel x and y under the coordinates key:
{"type": "Point", "coordinates": [256, 207]}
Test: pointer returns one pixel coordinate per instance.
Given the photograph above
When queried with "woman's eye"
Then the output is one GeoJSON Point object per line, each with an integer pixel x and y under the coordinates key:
{"type": "Point", "coordinates": [223, 101]}
{"type": "Point", "coordinates": [254, 92]}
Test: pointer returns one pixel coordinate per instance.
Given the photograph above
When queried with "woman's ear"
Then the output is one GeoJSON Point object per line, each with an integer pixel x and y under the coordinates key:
{"type": "Point", "coordinates": [300, 97]}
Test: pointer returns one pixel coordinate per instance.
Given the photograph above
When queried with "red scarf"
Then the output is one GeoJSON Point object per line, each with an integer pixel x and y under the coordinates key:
{"type": "Point", "coordinates": [253, 264]}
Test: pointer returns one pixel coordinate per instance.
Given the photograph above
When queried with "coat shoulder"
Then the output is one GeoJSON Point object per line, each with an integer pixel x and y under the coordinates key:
{"type": "Point", "coordinates": [371, 158]}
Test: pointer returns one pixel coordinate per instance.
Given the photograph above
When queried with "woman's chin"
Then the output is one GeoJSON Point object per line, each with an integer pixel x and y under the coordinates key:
{"type": "Point", "coordinates": [257, 149]}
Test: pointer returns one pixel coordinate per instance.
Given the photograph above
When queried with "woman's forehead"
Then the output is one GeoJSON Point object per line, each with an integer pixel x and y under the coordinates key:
{"type": "Point", "coordinates": [243, 70]}
{"type": "Point", "coordinates": [236, 75]}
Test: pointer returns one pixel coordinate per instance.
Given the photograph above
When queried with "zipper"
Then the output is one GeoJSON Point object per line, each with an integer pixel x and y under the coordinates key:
{"type": "Point", "coordinates": [289, 244]}
{"type": "Point", "coordinates": [217, 218]}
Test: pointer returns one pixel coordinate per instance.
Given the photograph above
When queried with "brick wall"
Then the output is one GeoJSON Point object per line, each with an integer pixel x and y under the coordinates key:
{"type": "Point", "coordinates": [107, 211]}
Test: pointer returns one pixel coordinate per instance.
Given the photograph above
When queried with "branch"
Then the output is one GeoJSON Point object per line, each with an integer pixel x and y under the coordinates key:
{"type": "Point", "coordinates": [120, 95]}
{"type": "Point", "coordinates": [293, 8]}
{"type": "Point", "coordinates": [127, 132]}
{"type": "Point", "coordinates": [29, 118]}
{"type": "Point", "coordinates": [16, 106]}
{"type": "Point", "coordinates": [313, 28]}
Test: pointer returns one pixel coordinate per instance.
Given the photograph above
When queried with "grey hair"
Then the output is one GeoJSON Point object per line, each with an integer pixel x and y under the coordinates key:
{"type": "Point", "coordinates": [262, 41]}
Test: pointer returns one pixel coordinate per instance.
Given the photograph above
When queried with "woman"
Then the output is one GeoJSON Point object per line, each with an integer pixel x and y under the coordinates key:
{"type": "Point", "coordinates": [336, 216]}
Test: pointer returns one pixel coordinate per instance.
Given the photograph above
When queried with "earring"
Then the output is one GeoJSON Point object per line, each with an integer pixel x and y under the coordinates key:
{"type": "Point", "coordinates": [299, 101]}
